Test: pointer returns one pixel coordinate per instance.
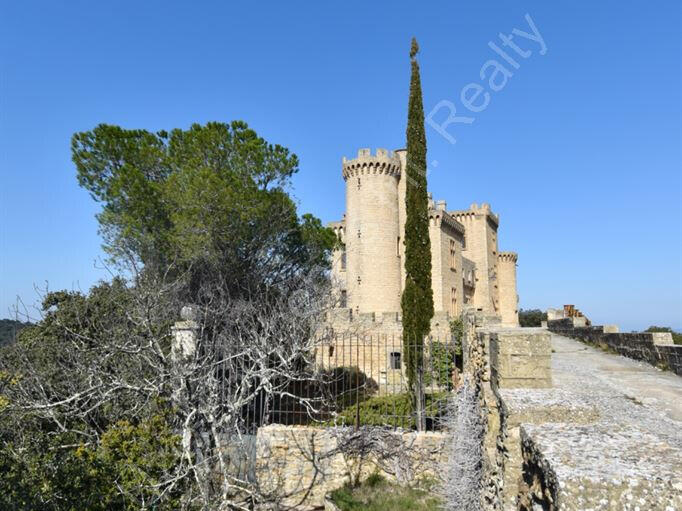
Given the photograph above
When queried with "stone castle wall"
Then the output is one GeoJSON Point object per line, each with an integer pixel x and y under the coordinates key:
{"type": "Point", "coordinates": [506, 273]}
{"type": "Point", "coordinates": [447, 245]}
{"type": "Point", "coordinates": [372, 232]}
{"type": "Point", "coordinates": [480, 225]}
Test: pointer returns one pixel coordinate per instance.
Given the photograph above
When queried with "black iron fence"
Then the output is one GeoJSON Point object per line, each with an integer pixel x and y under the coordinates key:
{"type": "Point", "coordinates": [369, 380]}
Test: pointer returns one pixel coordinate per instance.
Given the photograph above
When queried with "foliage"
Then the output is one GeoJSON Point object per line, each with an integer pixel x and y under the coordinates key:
{"type": "Point", "coordinates": [394, 410]}
{"type": "Point", "coordinates": [131, 461]}
{"type": "Point", "coordinates": [99, 407]}
{"type": "Point", "coordinates": [377, 494]}
{"type": "Point", "coordinates": [211, 199]}
{"type": "Point", "coordinates": [355, 385]}
{"type": "Point", "coordinates": [457, 332]}
{"type": "Point", "coordinates": [62, 457]}
{"type": "Point", "coordinates": [95, 397]}
{"type": "Point", "coordinates": [120, 473]}
{"type": "Point", "coordinates": [417, 297]}
{"type": "Point", "coordinates": [677, 336]}
{"type": "Point", "coordinates": [440, 364]}
{"type": "Point", "coordinates": [531, 317]}
{"type": "Point", "coordinates": [9, 328]}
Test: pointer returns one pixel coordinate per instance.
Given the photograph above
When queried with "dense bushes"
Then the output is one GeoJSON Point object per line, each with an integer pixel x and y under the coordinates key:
{"type": "Point", "coordinates": [394, 410]}
{"type": "Point", "coordinates": [9, 328]}
{"type": "Point", "coordinates": [531, 317]}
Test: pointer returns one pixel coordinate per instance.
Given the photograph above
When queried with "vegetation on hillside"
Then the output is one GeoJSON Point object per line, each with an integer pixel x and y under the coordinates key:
{"type": "Point", "coordinates": [98, 409]}
{"type": "Point", "coordinates": [531, 317]}
{"type": "Point", "coordinates": [677, 336]}
{"type": "Point", "coordinates": [417, 297]}
{"type": "Point", "coordinates": [9, 329]}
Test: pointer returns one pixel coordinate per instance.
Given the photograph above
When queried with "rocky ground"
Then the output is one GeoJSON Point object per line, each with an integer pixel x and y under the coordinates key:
{"type": "Point", "coordinates": [608, 435]}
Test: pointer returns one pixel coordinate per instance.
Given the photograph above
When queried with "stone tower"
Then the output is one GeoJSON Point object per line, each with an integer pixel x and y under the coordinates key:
{"type": "Point", "coordinates": [506, 276]}
{"type": "Point", "coordinates": [481, 225]}
{"type": "Point", "coordinates": [372, 232]}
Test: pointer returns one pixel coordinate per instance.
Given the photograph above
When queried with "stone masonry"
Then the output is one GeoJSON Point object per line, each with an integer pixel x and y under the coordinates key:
{"type": "Point", "coordinates": [656, 348]}
{"type": "Point", "coordinates": [467, 269]}
{"type": "Point", "coordinates": [571, 427]}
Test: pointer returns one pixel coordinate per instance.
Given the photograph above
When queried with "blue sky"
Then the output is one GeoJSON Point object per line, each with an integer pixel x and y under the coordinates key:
{"type": "Point", "coordinates": [579, 152]}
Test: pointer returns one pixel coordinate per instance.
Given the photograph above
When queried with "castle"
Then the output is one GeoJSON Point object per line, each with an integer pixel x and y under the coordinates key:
{"type": "Point", "coordinates": [369, 272]}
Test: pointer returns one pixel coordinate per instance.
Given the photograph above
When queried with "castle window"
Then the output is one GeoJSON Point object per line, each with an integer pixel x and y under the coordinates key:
{"type": "Point", "coordinates": [394, 360]}
{"type": "Point", "coordinates": [343, 260]}
{"type": "Point", "coordinates": [453, 301]}
{"type": "Point", "coordinates": [397, 247]}
{"type": "Point", "coordinates": [344, 299]}
{"type": "Point", "coordinates": [453, 258]}
{"type": "Point", "coordinates": [358, 183]}
{"type": "Point", "coordinates": [331, 351]}
{"type": "Point", "coordinates": [359, 280]}
{"type": "Point", "coordinates": [358, 233]}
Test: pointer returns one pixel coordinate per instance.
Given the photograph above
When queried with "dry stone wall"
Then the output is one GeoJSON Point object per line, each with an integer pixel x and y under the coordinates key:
{"type": "Point", "coordinates": [301, 465]}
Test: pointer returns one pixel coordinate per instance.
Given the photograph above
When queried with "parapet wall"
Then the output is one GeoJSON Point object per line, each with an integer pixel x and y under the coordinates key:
{"type": "Point", "coordinates": [655, 348]}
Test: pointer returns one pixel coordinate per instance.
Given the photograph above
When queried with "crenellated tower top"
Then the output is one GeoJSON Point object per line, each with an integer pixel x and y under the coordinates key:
{"type": "Point", "coordinates": [510, 257]}
{"type": "Point", "coordinates": [383, 162]}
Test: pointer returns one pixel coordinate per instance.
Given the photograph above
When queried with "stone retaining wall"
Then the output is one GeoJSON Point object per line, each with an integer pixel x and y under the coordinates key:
{"type": "Point", "coordinates": [302, 464]}
{"type": "Point", "coordinates": [655, 348]}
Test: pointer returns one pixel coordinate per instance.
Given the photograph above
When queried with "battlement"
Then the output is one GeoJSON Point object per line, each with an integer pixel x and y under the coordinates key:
{"type": "Point", "coordinates": [441, 217]}
{"type": "Point", "coordinates": [474, 210]}
{"type": "Point", "coordinates": [510, 257]}
{"type": "Point", "coordinates": [383, 162]}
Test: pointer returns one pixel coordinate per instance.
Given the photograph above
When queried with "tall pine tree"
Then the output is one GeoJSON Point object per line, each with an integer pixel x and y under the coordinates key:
{"type": "Point", "coordinates": [417, 298]}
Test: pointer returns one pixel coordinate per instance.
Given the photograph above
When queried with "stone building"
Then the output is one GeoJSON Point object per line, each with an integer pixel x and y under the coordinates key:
{"type": "Point", "coordinates": [468, 271]}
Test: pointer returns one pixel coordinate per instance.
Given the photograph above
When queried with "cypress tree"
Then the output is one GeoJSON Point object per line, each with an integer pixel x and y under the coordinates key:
{"type": "Point", "coordinates": [417, 298]}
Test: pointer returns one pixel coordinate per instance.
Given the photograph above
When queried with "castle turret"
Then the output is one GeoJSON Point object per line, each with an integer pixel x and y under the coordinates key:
{"type": "Point", "coordinates": [506, 271]}
{"type": "Point", "coordinates": [372, 231]}
{"type": "Point", "coordinates": [481, 248]}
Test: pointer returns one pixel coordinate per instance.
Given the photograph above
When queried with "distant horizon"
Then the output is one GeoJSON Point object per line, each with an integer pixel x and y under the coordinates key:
{"type": "Point", "coordinates": [574, 137]}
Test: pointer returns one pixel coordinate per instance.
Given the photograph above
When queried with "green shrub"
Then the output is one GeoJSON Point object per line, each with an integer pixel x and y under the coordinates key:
{"type": "Point", "coordinates": [377, 494]}
{"type": "Point", "coordinates": [440, 363]}
{"type": "Point", "coordinates": [531, 317]}
{"type": "Point", "coordinates": [394, 410]}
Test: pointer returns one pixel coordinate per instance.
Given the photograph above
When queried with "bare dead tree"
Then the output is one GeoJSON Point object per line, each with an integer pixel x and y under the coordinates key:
{"type": "Point", "coordinates": [248, 350]}
{"type": "Point", "coordinates": [463, 473]}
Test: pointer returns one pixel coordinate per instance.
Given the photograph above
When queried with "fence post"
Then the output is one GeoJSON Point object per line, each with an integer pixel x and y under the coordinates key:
{"type": "Point", "coordinates": [185, 335]}
{"type": "Point", "coordinates": [420, 419]}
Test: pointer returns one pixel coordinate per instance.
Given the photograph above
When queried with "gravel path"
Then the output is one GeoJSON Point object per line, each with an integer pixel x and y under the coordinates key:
{"type": "Point", "coordinates": [625, 391]}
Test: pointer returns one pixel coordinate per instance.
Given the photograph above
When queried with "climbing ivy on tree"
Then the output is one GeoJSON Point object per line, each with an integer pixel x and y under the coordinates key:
{"type": "Point", "coordinates": [417, 298]}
